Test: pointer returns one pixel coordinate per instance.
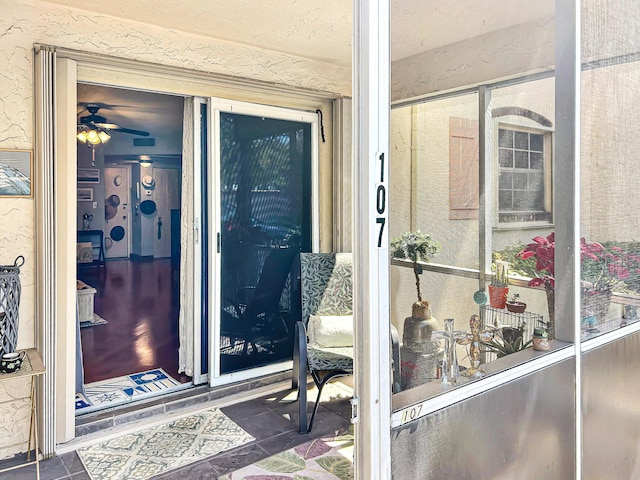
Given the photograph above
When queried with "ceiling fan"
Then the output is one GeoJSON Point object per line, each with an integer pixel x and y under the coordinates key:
{"type": "Point", "coordinates": [94, 128]}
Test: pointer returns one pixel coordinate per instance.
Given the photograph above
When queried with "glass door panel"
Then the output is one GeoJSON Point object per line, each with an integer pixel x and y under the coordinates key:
{"type": "Point", "coordinates": [265, 220]}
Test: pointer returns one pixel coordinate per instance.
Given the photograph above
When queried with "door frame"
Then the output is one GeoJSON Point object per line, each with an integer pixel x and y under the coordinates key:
{"type": "Point", "coordinates": [217, 106]}
{"type": "Point", "coordinates": [56, 260]}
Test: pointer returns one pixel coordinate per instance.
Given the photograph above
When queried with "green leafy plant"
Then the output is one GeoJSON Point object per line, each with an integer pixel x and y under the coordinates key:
{"type": "Point", "coordinates": [416, 247]}
{"type": "Point", "coordinates": [504, 343]}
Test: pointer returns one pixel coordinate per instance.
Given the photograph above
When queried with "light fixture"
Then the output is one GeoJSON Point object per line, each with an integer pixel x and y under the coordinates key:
{"type": "Point", "coordinates": [93, 136]}
{"type": "Point", "coordinates": [145, 161]}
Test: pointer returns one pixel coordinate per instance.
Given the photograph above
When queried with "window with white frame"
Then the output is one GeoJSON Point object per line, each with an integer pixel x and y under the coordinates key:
{"type": "Point", "coordinates": [524, 175]}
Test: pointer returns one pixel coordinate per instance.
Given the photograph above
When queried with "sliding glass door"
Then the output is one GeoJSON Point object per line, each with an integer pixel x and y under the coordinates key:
{"type": "Point", "coordinates": [263, 164]}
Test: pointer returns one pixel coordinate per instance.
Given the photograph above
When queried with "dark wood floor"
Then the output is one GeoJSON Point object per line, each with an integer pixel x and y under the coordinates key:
{"type": "Point", "coordinates": [140, 302]}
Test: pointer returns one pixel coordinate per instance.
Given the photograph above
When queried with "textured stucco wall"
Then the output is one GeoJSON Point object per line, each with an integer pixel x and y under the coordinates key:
{"type": "Point", "coordinates": [25, 22]}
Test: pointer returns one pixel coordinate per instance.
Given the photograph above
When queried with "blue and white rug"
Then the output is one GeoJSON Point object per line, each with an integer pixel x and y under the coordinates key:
{"type": "Point", "coordinates": [121, 390]}
{"type": "Point", "coordinates": [156, 450]}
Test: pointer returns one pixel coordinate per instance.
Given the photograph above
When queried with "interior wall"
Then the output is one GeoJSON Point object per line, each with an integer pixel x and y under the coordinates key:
{"type": "Point", "coordinates": [166, 133]}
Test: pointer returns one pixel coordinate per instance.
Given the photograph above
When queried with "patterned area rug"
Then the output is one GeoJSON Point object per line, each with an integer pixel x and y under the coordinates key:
{"type": "Point", "coordinates": [321, 459]}
{"type": "Point", "coordinates": [121, 390]}
{"type": "Point", "coordinates": [141, 455]}
{"type": "Point", "coordinates": [97, 320]}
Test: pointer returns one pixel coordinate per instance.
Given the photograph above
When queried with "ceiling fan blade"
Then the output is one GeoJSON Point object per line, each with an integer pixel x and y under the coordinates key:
{"type": "Point", "coordinates": [117, 128]}
{"type": "Point", "coordinates": [96, 121]}
{"type": "Point", "coordinates": [108, 126]}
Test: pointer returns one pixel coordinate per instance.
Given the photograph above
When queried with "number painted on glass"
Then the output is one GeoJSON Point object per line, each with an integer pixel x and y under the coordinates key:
{"type": "Point", "coordinates": [411, 413]}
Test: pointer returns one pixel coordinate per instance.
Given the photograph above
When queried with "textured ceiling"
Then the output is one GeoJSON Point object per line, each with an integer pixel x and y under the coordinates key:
{"type": "Point", "coordinates": [316, 29]}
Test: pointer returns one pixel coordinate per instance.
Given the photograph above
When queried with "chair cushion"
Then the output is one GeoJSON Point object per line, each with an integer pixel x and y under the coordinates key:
{"type": "Point", "coordinates": [330, 331]}
{"type": "Point", "coordinates": [330, 358]}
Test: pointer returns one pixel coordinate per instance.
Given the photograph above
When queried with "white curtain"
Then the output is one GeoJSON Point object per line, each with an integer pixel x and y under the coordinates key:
{"type": "Point", "coordinates": [185, 359]}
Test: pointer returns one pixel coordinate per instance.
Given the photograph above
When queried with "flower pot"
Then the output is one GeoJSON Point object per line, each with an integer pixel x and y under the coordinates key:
{"type": "Point", "coordinates": [516, 307]}
{"type": "Point", "coordinates": [511, 334]}
{"type": "Point", "coordinates": [498, 296]}
{"type": "Point", "coordinates": [540, 340]}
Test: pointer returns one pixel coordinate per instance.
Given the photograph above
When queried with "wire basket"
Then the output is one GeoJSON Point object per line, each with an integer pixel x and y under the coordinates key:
{"type": "Point", "coordinates": [9, 304]}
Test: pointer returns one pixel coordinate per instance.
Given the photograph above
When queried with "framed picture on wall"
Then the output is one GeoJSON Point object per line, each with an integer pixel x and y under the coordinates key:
{"type": "Point", "coordinates": [88, 175]}
{"type": "Point", "coordinates": [15, 173]}
{"type": "Point", "coordinates": [85, 194]}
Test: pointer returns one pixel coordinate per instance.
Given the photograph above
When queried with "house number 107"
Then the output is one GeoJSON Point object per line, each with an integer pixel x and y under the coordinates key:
{"type": "Point", "coordinates": [381, 202]}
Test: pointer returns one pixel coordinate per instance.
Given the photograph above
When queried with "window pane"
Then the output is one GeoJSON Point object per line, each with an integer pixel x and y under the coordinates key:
{"type": "Point", "coordinates": [505, 198]}
{"type": "Point", "coordinates": [521, 140]}
{"type": "Point", "coordinates": [536, 182]}
{"type": "Point", "coordinates": [505, 138]}
{"type": "Point", "coordinates": [506, 181]}
{"type": "Point", "coordinates": [537, 142]}
{"type": "Point", "coordinates": [521, 159]}
{"type": "Point", "coordinates": [536, 161]}
{"type": "Point", "coordinates": [520, 181]}
{"type": "Point", "coordinates": [505, 157]}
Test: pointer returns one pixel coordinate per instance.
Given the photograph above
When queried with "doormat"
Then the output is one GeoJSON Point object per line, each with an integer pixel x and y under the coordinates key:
{"type": "Point", "coordinates": [157, 450]}
{"type": "Point", "coordinates": [121, 390]}
{"type": "Point", "coordinates": [321, 459]}
{"type": "Point", "coordinates": [97, 320]}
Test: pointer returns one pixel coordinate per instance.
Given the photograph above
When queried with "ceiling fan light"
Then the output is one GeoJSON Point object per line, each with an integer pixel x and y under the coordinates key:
{"type": "Point", "coordinates": [82, 136]}
{"type": "Point", "coordinates": [104, 136]}
{"type": "Point", "coordinates": [93, 137]}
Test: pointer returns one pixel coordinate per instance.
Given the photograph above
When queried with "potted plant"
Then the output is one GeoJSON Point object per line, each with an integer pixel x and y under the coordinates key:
{"type": "Point", "coordinates": [514, 305]}
{"type": "Point", "coordinates": [601, 270]}
{"type": "Point", "coordinates": [541, 336]}
{"type": "Point", "coordinates": [416, 247]}
{"type": "Point", "coordinates": [499, 286]}
{"type": "Point", "coordinates": [507, 340]}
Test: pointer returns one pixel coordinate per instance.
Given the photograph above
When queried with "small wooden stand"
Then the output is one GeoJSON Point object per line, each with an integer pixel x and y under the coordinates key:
{"type": "Point", "coordinates": [31, 367]}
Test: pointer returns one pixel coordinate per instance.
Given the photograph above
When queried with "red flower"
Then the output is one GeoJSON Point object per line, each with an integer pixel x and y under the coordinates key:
{"type": "Point", "coordinates": [601, 269]}
{"type": "Point", "coordinates": [536, 282]}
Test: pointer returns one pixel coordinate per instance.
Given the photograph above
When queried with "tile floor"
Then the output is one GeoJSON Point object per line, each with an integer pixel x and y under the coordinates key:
{"type": "Point", "coordinates": [271, 419]}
